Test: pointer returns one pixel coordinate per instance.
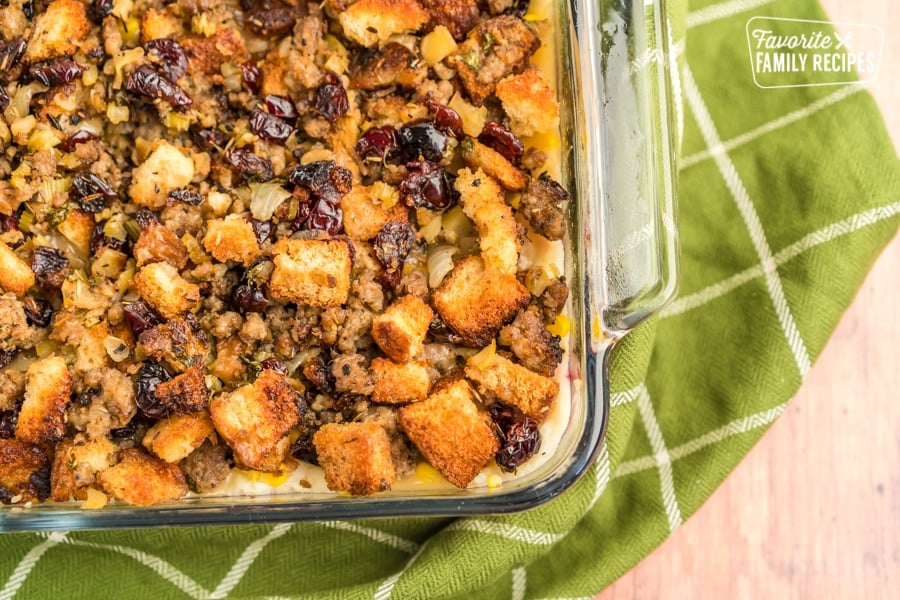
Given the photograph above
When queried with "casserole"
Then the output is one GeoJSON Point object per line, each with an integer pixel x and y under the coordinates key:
{"type": "Point", "coordinates": [618, 258]}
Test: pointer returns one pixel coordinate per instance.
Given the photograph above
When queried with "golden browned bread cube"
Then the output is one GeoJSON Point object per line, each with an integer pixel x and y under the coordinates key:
{"type": "Point", "coordinates": [232, 238]}
{"type": "Point", "coordinates": [19, 461]}
{"type": "Point", "coordinates": [48, 385]}
{"type": "Point", "coordinates": [530, 102]}
{"type": "Point", "coordinates": [91, 350]}
{"type": "Point", "coordinates": [159, 244]}
{"type": "Point", "coordinates": [311, 272]}
{"type": "Point", "coordinates": [76, 463]}
{"type": "Point", "coordinates": [255, 420]}
{"type": "Point", "coordinates": [58, 30]}
{"type": "Point", "coordinates": [15, 274]}
{"type": "Point", "coordinates": [164, 170]}
{"type": "Point", "coordinates": [451, 432]}
{"type": "Point", "coordinates": [207, 54]}
{"type": "Point", "coordinates": [174, 438]}
{"type": "Point", "coordinates": [372, 22]}
{"type": "Point", "coordinates": [77, 228]}
{"type": "Point", "coordinates": [482, 201]}
{"type": "Point", "coordinates": [499, 378]}
{"type": "Point", "coordinates": [158, 23]}
{"type": "Point", "coordinates": [401, 328]}
{"type": "Point", "coordinates": [476, 303]}
{"type": "Point", "coordinates": [356, 457]}
{"type": "Point", "coordinates": [160, 285]}
{"type": "Point", "coordinates": [399, 383]}
{"type": "Point", "coordinates": [180, 342]}
{"type": "Point", "coordinates": [184, 393]}
{"type": "Point", "coordinates": [478, 156]}
{"type": "Point", "coordinates": [364, 216]}
{"type": "Point", "coordinates": [141, 479]}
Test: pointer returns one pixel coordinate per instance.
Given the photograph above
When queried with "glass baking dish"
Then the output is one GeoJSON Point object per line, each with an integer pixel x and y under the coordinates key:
{"type": "Point", "coordinates": [620, 263]}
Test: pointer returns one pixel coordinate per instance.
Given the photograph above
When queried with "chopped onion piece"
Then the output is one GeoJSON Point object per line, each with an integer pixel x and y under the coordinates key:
{"type": "Point", "coordinates": [116, 348]}
{"type": "Point", "coordinates": [440, 262]}
{"type": "Point", "coordinates": [265, 198]}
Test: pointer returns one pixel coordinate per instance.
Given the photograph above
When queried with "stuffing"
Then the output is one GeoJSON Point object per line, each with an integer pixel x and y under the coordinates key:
{"type": "Point", "coordinates": [400, 330]}
{"type": "Point", "coordinates": [534, 346]}
{"type": "Point", "coordinates": [501, 379]}
{"type": "Point", "coordinates": [530, 102]}
{"type": "Point", "coordinates": [395, 64]}
{"type": "Point", "coordinates": [255, 419]}
{"type": "Point", "coordinates": [356, 457]}
{"type": "Point", "coordinates": [91, 352]}
{"type": "Point", "coordinates": [77, 228]}
{"type": "Point", "coordinates": [48, 385]}
{"type": "Point", "coordinates": [179, 342]}
{"type": "Point", "coordinates": [141, 479]}
{"type": "Point", "coordinates": [106, 402]}
{"type": "Point", "coordinates": [364, 215]}
{"type": "Point", "coordinates": [159, 23]}
{"type": "Point", "coordinates": [542, 206]}
{"type": "Point", "coordinates": [15, 274]}
{"type": "Point", "coordinates": [24, 472]}
{"type": "Point", "coordinates": [165, 169]}
{"type": "Point", "coordinates": [458, 16]}
{"type": "Point", "coordinates": [451, 432]}
{"type": "Point", "coordinates": [206, 467]}
{"type": "Point", "coordinates": [15, 331]}
{"type": "Point", "coordinates": [475, 303]}
{"type": "Point", "coordinates": [173, 438]}
{"type": "Point", "coordinates": [76, 464]}
{"type": "Point", "coordinates": [351, 374]}
{"type": "Point", "coordinates": [58, 31]}
{"type": "Point", "coordinates": [481, 157]}
{"type": "Point", "coordinates": [399, 383]}
{"type": "Point", "coordinates": [183, 394]}
{"type": "Point", "coordinates": [311, 272]}
{"type": "Point", "coordinates": [372, 22]}
{"type": "Point", "coordinates": [206, 55]}
{"type": "Point", "coordinates": [482, 201]}
{"type": "Point", "coordinates": [160, 285]}
{"type": "Point", "coordinates": [232, 238]}
{"type": "Point", "coordinates": [159, 244]}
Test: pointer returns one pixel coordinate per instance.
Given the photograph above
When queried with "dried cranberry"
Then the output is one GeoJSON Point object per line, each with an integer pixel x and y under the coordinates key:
{"type": "Point", "coordinates": [247, 297]}
{"type": "Point", "coordinates": [150, 376]}
{"type": "Point", "coordinates": [50, 266]}
{"type": "Point", "coordinates": [325, 217]}
{"type": "Point", "coordinates": [520, 437]}
{"type": "Point", "coordinates": [40, 479]}
{"type": "Point", "coordinates": [264, 230]}
{"type": "Point", "coordinates": [141, 317]}
{"type": "Point", "coordinates": [304, 449]}
{"type": "Point", "coordinates": [170, 55]}
{"type": "Point", "coordinates": [28, 9]}
{"type": "Point", "coordinates": [269, 127]}
{"type": "Point", "coordinates": [274, 364]}
{"type": "Point", "coordinates": [38, 312]}
{"type": "Point", "coordinates": [249, 165]}
{"type": "Point", "coordinates": [392, 245]}
{"type": "Point", "coordinates": [378, 141]}
{"type": "Point", "coordinates": [186, 196]}
{"type": "Point", "coordinates": [9, 223]}
{"type": "Point", "coordinates": [251, 77]}
{"type": "Point", "coordinates": [99, 10]}
{"type": "Point", "coordinates": [6, 356]}
{"type": "Point", "coordinates": [4, 99]}
{"type": "Point", "coordinates": [423, 139]}
{"type": "Point", "coordinates": [330, 99]}
{"type": "Point", "coordinates": [57, 72]}
{"type": "Point", "coordinates": [99, 239]}
{"type": "Point", "coordinates": [269, 18]}
{"type": "Point", "coordinates": [427, 184]}
{"type": "Point", "coordinates": [10, 55]}
{"type": "Point", "coordinates": [147, 81]}
{"type": "Point", "coordinates": [318, 373]}
{"type": "Point", "coordinates": [126, 432]}
{"type": "Point", "coordinates": [281, 107]}
{"type": "Point", "coordinates": [8, 421]}
{"type": "Point", "coordinates": [324, 178]}
{"type": "Point", "coordinates": [447, 120]}
{"type": "Point", "coordinates": [519, 8]}
{"type": "Point", "coordinates": [91, 193]}
{"type": "Point", "coordinates": [441, 332]}
{"type": "Point", "coordinates": [79, 137]}
{"type": "Point", "coordinates": [145, 218]}
{"type": "Point", "coordinates": [503, 141]}
{"type": "Point", "coordinates": [209, 139]}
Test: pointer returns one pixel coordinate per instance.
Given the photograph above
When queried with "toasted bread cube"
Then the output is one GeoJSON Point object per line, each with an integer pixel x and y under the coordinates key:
{"type": "Point", "coordinates": [184, 393]}
{"type": "Point", "coordinates": [208, 54]}
{"type": "Point", "coordinates": [364, 216]}
{"type": "Point", "coordinates": [482, 201]}
{"type": "Point", "coordinates": [311, 272]}
{"type": "Point", "coordinates": [19, 462]}
{"type": "Point", "coordinates": [232, 238]}
{"type": "Point", "coordinates": [141, 479]}
{"type": "Point", "coordinates": [160, 285]}
{"type": "Point", "coordinates": [91, 350]}
{"type": "Point", "coordinates": [179, 342]}
{"type": "Point", "coordinates": [255, 419]}
{"type": "Point", "coordinates": [497, 377]}
{"type": "Point", "coordinates": [48, 385]}
{"type": "Point", "coordinates": [164, 170]}
{"type": "Point", "coordinates": [15, 274]}
{"type": "Point", "coordinates": [476, 303]}
{"type": "Point", "coordinates": [372, 22]}
{"type": "Point", "coordinates": [451, 432]}
{"type": "Point", "coordinates": [158, 243]}
{"type": "Point", "coordinates": [399, 383]}
{"type": "Point", "coordinates": [401, 328]}
{"type": "Point", "coordinates": [76, 463]}
{"type": "Point", "coordinates": [478, 156]}
{"type": "Point", "coordinates": [172, 439]}
{"type": "Point", "coordinates": [530, 102]}
{"type": "Point", "coordinates": [159, 23]}
{"type": "Point", "coordinates": [356, 457]}
{"type": "Point", "coordinates": [58, 30]}
{"type": "Point", "coordinates": [77, 227]}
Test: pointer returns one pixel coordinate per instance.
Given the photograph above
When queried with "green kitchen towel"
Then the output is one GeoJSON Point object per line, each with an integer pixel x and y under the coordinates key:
{"type": "Point", "coordinates": [787, 195]}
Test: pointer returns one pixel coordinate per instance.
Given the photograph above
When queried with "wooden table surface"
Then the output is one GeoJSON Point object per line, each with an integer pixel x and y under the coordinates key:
{"type": "Point", "coordinates": [814, 510]}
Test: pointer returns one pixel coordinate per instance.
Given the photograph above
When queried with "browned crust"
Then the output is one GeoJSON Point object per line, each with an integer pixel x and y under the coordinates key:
{"type": "Point", "coordinates": [76, 463]}
{"type": "Point", "coordinates": [141, 479]}
{"type": "Point", "coordinates": [172, 439]}
{"type": "Point", "coordinates": [180, 342]}
{"type": "Point", "coordinates": [451, 432]}
{"type": "Point", "coordinates": [18, 462]}
{"type": "Point", "coordinates": [158, 244]}
{"type": "Point", "coordinates": [458, 16]}
{"type": "Point", "coordinates": [184, 393]}
{"type": "Point", "coordinates": [364, 217]}
{"type": "Point", "coordinates": [231, 239]}
{"type": "Point", "coordinates": [58, 31]}
{"type": "Point", "coordinates": [163, 288]}
{"type": "Point", "coordinates": [206, 55]}
{"type": "Point", "coordinates": [530, 102]}
{"type": "Point", "coordinates": [401, 328]}
{"type": "Point", "coordinates": [311, 272]}
{"type": "Point", "coordinates": [513, 384]}
{"type": "Point", "coordinates": [477, 155]}
{"type": "Point", "coordinates": [399, 383]}
{"type": "Point", "coordinates": [356, 457]}
{"type": "Point", "coordinates": [48, 386]}
{"type": "Point", "coordinates": [15, 274]}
